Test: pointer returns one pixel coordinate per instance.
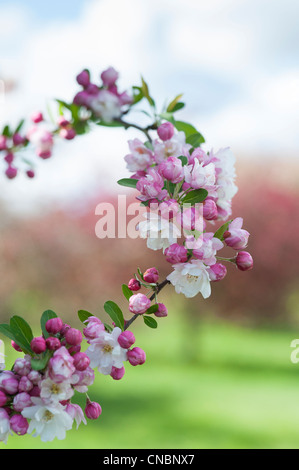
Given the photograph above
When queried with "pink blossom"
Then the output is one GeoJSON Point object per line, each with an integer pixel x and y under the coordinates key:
{"type": "Point", "coordinates": [109, 76]}
{"type": "Point", "coordinates": [61, 365]}
{"type": "Point", "coordinates": [151, 275]}
{"type": "Point", "coordinates": [210, 211]}
{"type": "Point", "coordinates": [22, 366]}
{"type": "Point", "coordinates": [117, 374]}
{"type": "Point", "coordinates": [136, 356]}
{"type": "Point", "coordinates": [151, 186]}
{"type": "Point", "coordinates": [166, 131]}
{"type": "Point", "coordinates": [134, 285]}
{"type": "Point", "coordinates": [162, 311]}
{"type": "Point", "coordinates": [175, 147]}
{"type": "Point", "coordinates": [200, 176]}
{"type": "Point", "coordinates": [11, 172]}
{"type": "Point", "coordinates": [217, 272]}
{"type": "Point", "coordinates": [94, 328]}
{"type": "Point", "coordinates": [176, 253]}
{"type": "Point", "coordinates": [83, 78]}
{"type": "Point", "coordinates": [54, 325]}
{"type": "Point", "coordinates": [81, 380]}
{"type": "Point", "coordinates": [126, 339]}
{"type": "Point", "coordinates": [19, 424]}
{"type": "Point", "coordinates": [140, 157]}
{"type": "Point", "coordinates": [53, 343]}
{"type": "Point", "coordinates": [76, 413]}
{"type": "Point", "coordinates": [244, 261]}
{"type": "Point", "coordinates": [93, 410]}
{"type": "Point", "coordinates": [25, 385]}
{"type": "Point", "coordinates": [168, 209]}
{"type": "Point", "coordinates": [38, 345]}
{"type": "Point", "coordinates": [172, 169]}
{"type": "Point", "coordinates": [139, 303]}
{"type": "Point", "coordinates": [191, 218]}
{"type": "Point", "coordinates": [81, 361]}
{"type": "Point", "coordinates": [21, 400]}
{"type": "Point", "coordinates": [235, 236]}
{"type": "Point", "coordinates": [73, 336]}
{"type": "Point", "coordinates": [206, 247]}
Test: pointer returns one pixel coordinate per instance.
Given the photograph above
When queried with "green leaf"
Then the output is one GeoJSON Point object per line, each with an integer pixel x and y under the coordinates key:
{"type": "Point", "coordinates": [20, 125]}
{"type": "Point", "coordinates": [110, 124]}
{"type": "Point", "coordinates": [47, 315]}
{"type": "Point", "coordinates": [108, 327]}
{"type": "Point", "coordinates": [178, 106]}
{"type": "Point", "coordinates": [6, 131]}
{"type": "Point", "coordinates": [172, 104]}
{"type": "Point", "coordinates": [219, 233]}
{"type": "Point", "coordinates": [137, 94]}
{"type": "Point", "coordinates": [185, 127]}
{"type": "Point", "coordinates": [153, 309]}
{"type": "Point", "coordinates": [195, 139]}
{"type": "Point", "coordinates": [145, 91]}
{"type": "Point", "coordinates": [128, 182]}
{"type": "Point", "coordinates": [168, 117]}
{"type": "Point", "coordinates": [84, 315]}
{"type": "Point", "coordinates": [184, 160]}
{"type": "Point", "coordinates": [40, 361]}
{"type": "Point", "coordinates": [22, 333]}
{"type": "Point", "coordinates": [126, 291]}
{"type": "Point", "coordinates": [150, 321]}
{"type": "Point", "coordinates": [195, 196]}
{"type": "Point", "coordinates": [115, 313]}
{"type": "Point", "coordinates": [7, 331]}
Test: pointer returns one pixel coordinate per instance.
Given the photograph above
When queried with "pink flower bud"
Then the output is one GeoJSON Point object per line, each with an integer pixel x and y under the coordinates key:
{"type": "Point", "coordinates": [151, 275]}
{"type": "Point", "coordinates": [61, 365]}
{"type": "Point", "coordinates": [166, 131]}
{"type": "Point", "coordinates": [11, 172]}
{"type": "Point", "coordinates": [9, 158]}
{"type": "Point", "coordinates": [136, 356]}
{"type": "Point", "coordinates": [82, 99]}
{"type": "Point", "coordinates": [176, 253]}
{"type": "Point", "coordinates": [126, 339]}
{"type": "Point", "coordinates": [62, 122]}
{"type": "Point", "coordinates": [18, 139]}
{"type": "Point", "coordinates": [109, 76]}
{"type": "Point", "coordinates": [19, 424]}
{"type": "Point", "coordinates": [54, 325]}
{"type": "Point", "coordinates": [162, 311]}
{"type": "Point", "coordinates": [68, 134]}
{"type": "Point", "coordinates": [10, 385]}
{"type": "Point", "coordinates": [217, 272]}
{"type": "Point", "coordinates": [16, 346]}
{"type": "Point", "coordinates": [64, 329]}
{"type": "Point", "coordinates": [74, 349]}
{"type": "Point", "coordinates": [92, 410]}
{"type": "Point", "coordinates": [3, 142]}
{"type": "Point", "coordinates": [25, 384]}
{"type": "Point", "coordinates": [117, 374]}
{"type": "Point", "coordinates": [38, 345]}
{"type": "Point", "coordinates": [134, 285]}
{"type": "Point", "coordinates": [3, 398]}
{"type": "Point", "coordinates": [244, 261]}
{"type": "Point", "coordinates": [21, 401]}
{"type": "Point", "coordinates": [34, 376]}
{"type": "Point", "coordinates": [73, 336]}
{"type": "Point", "coordinates": [53, 343]}
{"type": "Point", "coordinates": [139, 303]}
{"type": "Point", "coordinates": [81, 361]}
{"type": "Point", "coordinates": [235, 236]}
{"type": "Point", "coordinates": [83, 78]}
{"type": "Point", "coordinates": [30, 173]}
{"type": "Point", "coordinates": [210, 211]}
{"type": "Point", "coordinates": [22, 366]}
{"type": "Point", "coordinates": [37, 117]}
{"type": "Point", "coordinates": [35, 392]}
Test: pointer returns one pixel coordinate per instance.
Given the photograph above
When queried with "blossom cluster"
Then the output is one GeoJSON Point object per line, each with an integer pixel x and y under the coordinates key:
{"type": "Point", "coordinates": [95, 103]}
{"type": "Point", "coordinates": [186, 189]}
{"type": "Point", "coordinates": [36, 394]}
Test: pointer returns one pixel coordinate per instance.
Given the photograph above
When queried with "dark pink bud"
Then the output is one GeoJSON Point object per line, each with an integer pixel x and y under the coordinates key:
{"type": "Point", "coordinates": [62, 122]}
{"type": "Point", "coordinates": [68, 134]}
{"type": "Point", "coordinates": [81, 361]}
{"type": "Point", "coordinates": [217, 272]}
{"type": "Point", "coordinates": [117, 374]}
{"type": "Point", "coordinates": [166, 131]}
{"type": "Point", "coordinates": [21, 401]}
{"type": "Point", "coordinates": [37, 117]}
{"type": "Point", "coordinates": [83, 78]}
{"type": "Point", "coordinates": [82, 99]}
{"type": "Point", "coordinates": [30, 173]}
{"type": "Point", "coordinates": [244, 261]}
{"type": "Point", "coordinates": [92, 89]}
{"type": "Point", "coordinates": [10, 385]}
{"type": "Point", "coordinates": [92, 410]}
{"type": "Point", "coordinates": [109, 76]}
{"type": "Point", "coordinates": [210, 211]}
{"type": "Point", "coordinates": [44, 154]}
{"type": "Point", "coordinates": [25, 385]}
{"type": "Point", "coordinates": [64, 329]}
{"type": "Point", "coordinates": [9, 158]}
{"type": "Point", "coordinates": [53, 343]}
{"type": "Point", "coordinates": [74, 349]}
{"type": "Point", "coordinates": [35, 392]}
{"type": "Point", "coordinates": [3, 399]}
{"type": "Point", "coordinates": [126, 339]}
{"type": "Point", "coordinates": [54, 325]}
{"type": "Point", "coordinates": [18, 139]}
{"type": "Point", "coordinates": [136, 356]}
{"type": "Point", "coordinates": [11, 172]}
{"type": "Point", "coordinates": [176, 253]}
{"type": "Point", "coordinates": [162, 311]}
{"type": "Point", "coordinates": [151, 275]}
{"type": "Point", "coordinates": [19, 424]}
{"type": "Point", "coordinates": [38, 345]}
{"type": "Point", "coordinates": [134, 285]}
{"type": "Point", "coordinates": [16, 346]}
{"type": "Point", "coordinates": [73, 337]}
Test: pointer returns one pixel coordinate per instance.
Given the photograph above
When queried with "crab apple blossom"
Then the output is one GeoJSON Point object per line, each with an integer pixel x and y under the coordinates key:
{"type": "Point", "coordinates": [73, 336]}
{"type": "Point", "coordinates": [176, 253]}
{"type": "Point", "coordinates": [83, 78]}
{"type": "Point", "coordinates": [25, 384]}
{"type": "Point", "coordinates": [54, 325]}
{"type": "Point", "coordinates": [190, 279]}
{"type": "Point", "coordinates": [210, 211]}
{"type": "Point", "coordinates": [140, 157]}
{"type": "Point", "coordinates": [206, 247]}
{"type": "Point", "coordinates": [37, 117]}
{"type": "Point", "coordinates": [172, 169]}
{"type": "Point", "coordinates": [199, 175]}
{"type": "Point", "coordinates": [11, 172]}
{"type": "Point", "coordinates": [22, 366]}
{"type": "Point", "coordinates": [19, 424]}
{"type": "Point", "coordinates": [61, 365]}
{"type": "Point", "coordinates": [76, 413]}
{"type": "Point", "coordinates": [136, 356]}
{"type": "Point", "coordinates": [81, 361]}
{"type": "Point", "coordinates": [244, 261]}
{"type": "Point", "coordinates": [93, 410]}
{"type": "Point", "coordinates": [235, 236]}
{"type": "Point", "coordinates": [174, 147]}
{"type": "Point", "coordinates": [151, 186]}
{"type": "Point", "coordinates": [38, 345]}
{"type": "Point", "coordinates": [139, 304]}
{"type": "Point", "coordinates": [162, 311]}
{"type": "Point", "coordinates": [134, 285]}
{"type": "Point", "coordinates": [55, 392]}
{"type": "Point", "coordinates": [117, 374]}
{"type": "Point", "coordinates": [82, 379]}
{"type": "Point", "coordinates": [158, 232]}
{"type": "Point", "coordinates": [151, 275]}
{"type": "Point", "coordinates": [53, 343]}
{"type": "Point", "coordinates": [126, 339]}
{"type": "Point", "coordinates": [94, 328]}
{"type": "Point", "coordinates": [217, 272]}
{"type": "Point", "coordinates": [4, 425]}
{"type": "Point", "coordinates": [166, 131]}
{"type": "Point", "coordinates": [48, 420]}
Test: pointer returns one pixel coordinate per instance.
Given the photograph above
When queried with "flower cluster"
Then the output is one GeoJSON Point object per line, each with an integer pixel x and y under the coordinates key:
{"type": "Point", "coordinates": [93, 104]}
{"type": "Point", "coordinates": [36, 394]}
{"type": "Point", "coordinates": [186, 189]}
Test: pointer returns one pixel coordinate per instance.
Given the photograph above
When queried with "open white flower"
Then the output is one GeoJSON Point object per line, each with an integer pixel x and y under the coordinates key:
{"type": "Point", "coordinates": [190, 279]}
{"type": "Point", "coordinates": [54, 392]}
{"type": "Point", "coordinates": [47, 419]}
{"type": "Point", "coordinates": [106, 106]}
{"type": "Point", "coordinates": [159, 232]}
{"type": "Point", "coordinates": [4, 426]}
{"type": "Point", "coordinates": [105, 352]}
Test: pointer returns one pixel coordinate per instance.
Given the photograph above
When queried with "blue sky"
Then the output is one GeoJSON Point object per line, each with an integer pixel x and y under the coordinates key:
{"type": "Point", "coordinates": [235, 61]}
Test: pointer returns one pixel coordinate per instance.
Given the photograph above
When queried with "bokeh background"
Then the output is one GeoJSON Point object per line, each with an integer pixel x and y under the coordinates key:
{"type": "Point", "coordinates": [218, 373]}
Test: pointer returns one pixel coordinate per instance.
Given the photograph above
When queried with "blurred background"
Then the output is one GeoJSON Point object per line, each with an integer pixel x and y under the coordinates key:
{"type": "Point", "coordinates": [218, 372]}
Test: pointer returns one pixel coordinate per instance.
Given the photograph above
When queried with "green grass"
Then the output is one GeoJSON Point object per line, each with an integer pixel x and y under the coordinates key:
{"type": "Point", "coordinates": [215, 385]}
